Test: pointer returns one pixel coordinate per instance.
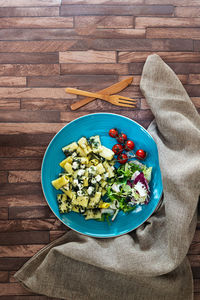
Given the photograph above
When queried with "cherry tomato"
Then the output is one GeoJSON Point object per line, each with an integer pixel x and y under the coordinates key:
{"type": "Point", "coordinates": [122, 158]}
{"type": "Point", "coordinates": [113, 133]}
{"type": "Point", "coordinates": [117, 149]}
{"type": "Point", "coordinates": [122, 137]}
{"type": "Point", "coordinates": [141, 154]}
{"type": "Point", "coordinates": [129, 145]}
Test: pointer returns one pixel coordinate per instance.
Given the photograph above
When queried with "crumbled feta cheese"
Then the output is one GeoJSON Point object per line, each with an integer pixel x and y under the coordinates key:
{"type": "Point", "coordinates": [74, 154]}
{"type": "Point", "coordinates": [81, 172]}
{"type": "Point", "coordinates": [80, 193]}
{"type": "Point", "coordinates": [92, 170]}
{"type": "Point", "coordinates": [75, 181]}
{"type": "Point", "coordinates": [115, 187]}
{"type": "Point", "coordinates": [80, 186]}
{"type": "Point", "coordinates": [93, 180]}
{"type": "Point", "coordinates": [75, 165]}
{"type": "Point", "coordinates": [90, 190]}
{"type": "Point", "coordinates": [105, 176]}
{"type": "Point", "coordinates": [82, 166]}
{"type": "Point", "coordinates": [98, 178]}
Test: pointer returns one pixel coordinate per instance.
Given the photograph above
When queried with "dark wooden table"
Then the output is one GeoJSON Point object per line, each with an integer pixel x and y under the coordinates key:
{"type": "Point", "coordinates": [46, 46]}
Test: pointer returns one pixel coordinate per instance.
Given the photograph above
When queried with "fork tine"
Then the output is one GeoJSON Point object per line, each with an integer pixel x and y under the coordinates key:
{"type": "Point", "coordinates": [125, 105]}
{"type": "Point", "coordinates": [126, 102]}
{"type": "Point", "coordinates": [128, 99]}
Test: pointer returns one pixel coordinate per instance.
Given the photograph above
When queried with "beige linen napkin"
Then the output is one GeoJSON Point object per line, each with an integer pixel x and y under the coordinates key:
{"type": "Point", "coordinates": [149, 263]}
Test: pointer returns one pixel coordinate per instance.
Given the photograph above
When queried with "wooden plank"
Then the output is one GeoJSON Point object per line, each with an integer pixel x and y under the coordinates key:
{"type": "Point", "coordinates": [24, 176]}
{"type": "Point", "coordinates": [38, 34]}
{"type": "Point", "coordinates": [20, 250]}
{"type": "Point", "coordinates": [93, 69]}
{"type": "Point", "coordinates": [28, 70]}
{"type": "Point", "coordinates": [104, 21]}
{"type": "Point", "coordinates": [27, 151]}
{"type": "Point", "coordinates": [56, 234]}
{"type": "Point", "coordinates": [31, 212]}
{"type": "Point", "coordinates": [135, 115]}
{"type": "Point", "coordinates": [173, 33]}
{"type": "Point", "coordinates": [29, 225]}
{"type": "Point", "coordinates": [91, 32]}
{"type": "Point", "coordinates": [4, 276]}
{"type": "Point", "coordinates": [194, 79]}
{"type": "Point", "coordinates": [144, 22]}
{"type": "Point", "coordinates": [142, 44]}
{"type": "Point", "coordinates": [28, 58]}
{"type": "Point", "coordinates": [12, 263]}
{"type": "Point", "coordinates": [25, 139]}
{"type": "Point", "coordinates": [16, 3]}
{"type": "Point", "coordinates": [11, 80]}
{"type": "Point", "coordinates": [174, 2]}
{"type": "Point", "coordinates": [29, 11]}
{"type": "Point", "coordinates": [24, 237]}
{"type": "Point", "coordinates": [12, 104]}
{"type": "Point", "coordinates": [3, 213]}
{"type": "Point", "coordinates": [128, 57]}
{"type": "Point", "coordinates": [196, 296]}
{"type": "Point", "coordinates": [197, 285]}
{"type": "Point", "coordinates": [29, 128]}
{"type": "Point", "coordinates": [188, 12]}
{"type": "Point", "coordinates": [13, 289]}
{"type": "Point", "coordinates": [68, 80]}
{"type": "Point", "coordinates": [54, 93]}
{"type": "Point", "coordinates": [89, 56]}
{"type": "Point", "coordinates": [196, 101]}
{"type": "Point", "coordinates": [17, 189]}
{"type": "Point", "coordinates": [44, 104]}
{"type": "Point", "coordinates": [42, 46]}
{"type": "Point", "coordinates": [20, 164]}
{"type": "Point", "coordinates": [196, 45]}
{"type": "Point", "coordinates": [31, 22]}
{"type": "Point", "coordinates": [27, 297]}
{"type": "Point", "coordinates": [3, 177]}
{"type": "Point", "coordinates": [192, 90]}
{"type": "Point", "coordinates": [69, 10]}
{"type": "Point", "coordinates": [185, 68]}
{"type": "Point", "coordinates": [19, 200]}
{"type": "Point", "coordinates": [107, 2]}
{"type": "Point", "coordinates": [66, 34]}
{"type": "Point", "coordinates": [29, 116]}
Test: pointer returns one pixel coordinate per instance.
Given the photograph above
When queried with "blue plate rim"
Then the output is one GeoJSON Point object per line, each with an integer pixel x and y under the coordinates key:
{"type": "Point", "coordinates": [44, 156]}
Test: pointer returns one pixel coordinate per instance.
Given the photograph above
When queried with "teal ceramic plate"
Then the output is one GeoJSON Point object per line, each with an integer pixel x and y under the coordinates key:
{"type": "Point", "coordinates": [99, 124]}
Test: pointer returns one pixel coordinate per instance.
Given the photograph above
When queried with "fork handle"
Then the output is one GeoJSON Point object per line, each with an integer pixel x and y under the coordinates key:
{"type": "Point", "coordinates": [87, 94]}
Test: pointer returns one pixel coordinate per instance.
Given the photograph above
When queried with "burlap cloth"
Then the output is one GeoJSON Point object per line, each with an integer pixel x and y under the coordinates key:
{"type": "Point", "coordinates": [149, 263]}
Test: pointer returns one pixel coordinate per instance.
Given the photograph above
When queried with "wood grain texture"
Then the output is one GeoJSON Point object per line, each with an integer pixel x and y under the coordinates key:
{"type": "Point", "coordinates": [173, 33]}
{"type": "Point", "coordinates": [128, 57]}
{"type": "Point", "coordinates": [104, 21]}
{"type": "Point", "coordinates": [30, 22]}
{"type": "Point", "coordinates": [17, 3]}
{"type": "Point", "coordinates": [29, 11]}
{"type": "Point", "coordinates": [18, 199]}
{"type": "Point", "coordinates": [29, 69]}
{"type": "Point", "coordinates": [93, 69]}
{"type": "Point", "coordinates": [89, 57]}
{"type": "Point", "coordinates": [144, 22]}
{"type": "Point", "coordinates": [69, 10]}
{"type": "Point", "coordinates": [48, 45]}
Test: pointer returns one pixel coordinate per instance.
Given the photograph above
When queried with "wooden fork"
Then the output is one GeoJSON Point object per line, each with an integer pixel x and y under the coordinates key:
{"type": "Point", "coordinates": [114, 99]}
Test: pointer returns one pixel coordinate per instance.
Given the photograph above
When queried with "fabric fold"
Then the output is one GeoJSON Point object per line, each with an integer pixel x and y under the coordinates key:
{"type": "Point", "coordinates": [149, 263]}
